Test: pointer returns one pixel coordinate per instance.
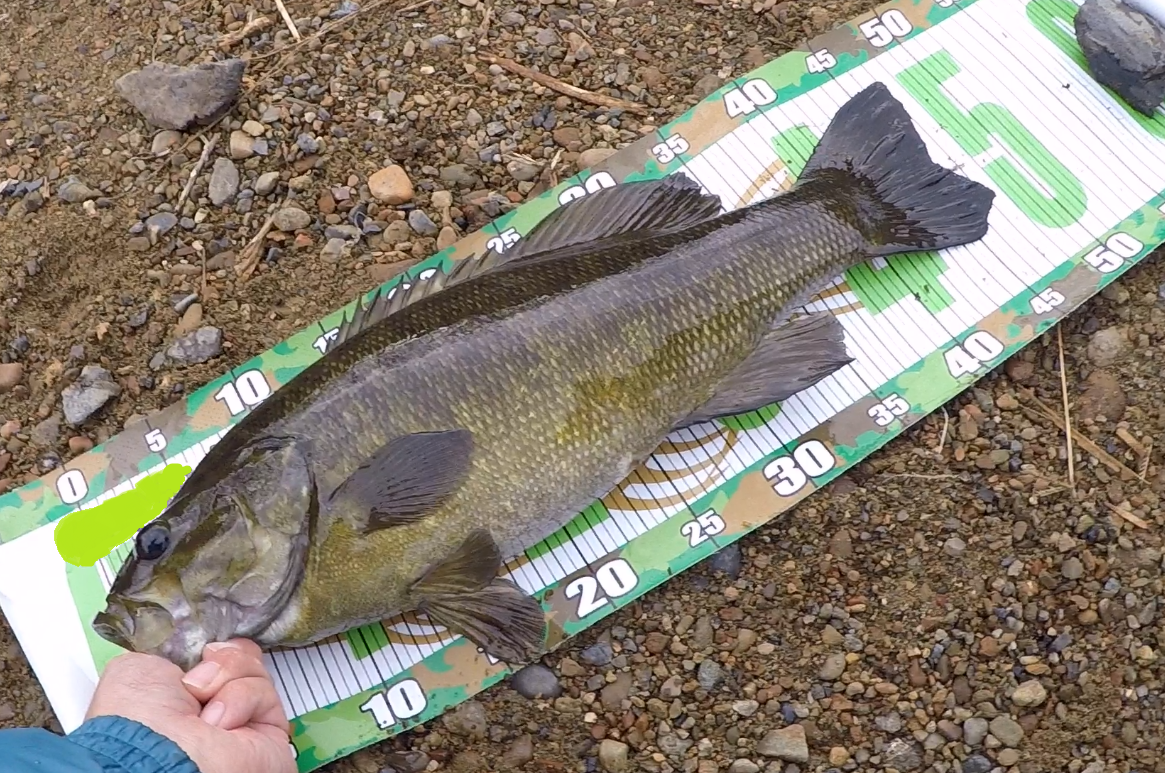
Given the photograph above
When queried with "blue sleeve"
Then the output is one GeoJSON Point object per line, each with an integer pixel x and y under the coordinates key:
{"type": "Point", "coordinates": [100, 745]}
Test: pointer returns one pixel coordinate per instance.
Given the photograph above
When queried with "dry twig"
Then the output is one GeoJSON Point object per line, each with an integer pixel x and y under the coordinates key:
{"type": "Point", "coordinates": [942, 440]}
{"type": "Point", "coordinates": [253, 25]}
{"type": "Point", "coordinates": [1107, 459]}
{"type": "Point", "coordinates": [288, 21]}
{"type": "Point", "coordinates": [249, 257]}
{"type": "Point", "coordinates": [207, 148]}
{"type": "Point", "coordinates": [583, 95]}
{"type": "Point", "coordinates": [1067, 415]}
{"type": "Point", "coordinates": [1132, 518]}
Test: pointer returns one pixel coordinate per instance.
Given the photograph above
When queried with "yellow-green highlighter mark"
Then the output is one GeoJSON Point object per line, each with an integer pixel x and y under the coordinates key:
{"type": "Point", "coordinates": [85, 536]}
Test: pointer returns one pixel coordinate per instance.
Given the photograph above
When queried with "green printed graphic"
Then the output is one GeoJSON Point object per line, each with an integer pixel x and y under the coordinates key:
{"type": "Point", "coordinates": [974, 130]}
{"type": "Point", "coordinates": [1056, 21]}
{"type": "Point", "coordinates": [916, 274]}
{"type": "Point", "coordinates": [85, 536]}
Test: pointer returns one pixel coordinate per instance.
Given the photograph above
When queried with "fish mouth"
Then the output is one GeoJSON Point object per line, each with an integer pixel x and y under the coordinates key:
{"type": "Point", "coordinates": [114, 628]}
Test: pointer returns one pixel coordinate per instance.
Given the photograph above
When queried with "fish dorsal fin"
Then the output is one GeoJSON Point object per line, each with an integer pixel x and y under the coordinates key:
{"type": "Point", "coordinates": [643, 208]}
{"type": "Point", "coordinates": [408, 478]}
{"type": "Point", "coordinates": [639, 209]}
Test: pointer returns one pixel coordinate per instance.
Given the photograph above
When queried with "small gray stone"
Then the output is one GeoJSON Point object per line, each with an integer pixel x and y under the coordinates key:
{"type": "Point", "coordinates": [743, 766]}
{"type": "Point", "coordinates": [745, 708]}
{"type": "Point", "coordinates": [85, 396]}
{"type": "Point", "coordinates": [833, 668]}
{"type": "Point", "coordinates": [74, 191]}
{"type": "Point", "coordinates": [976, 763]}
{"type": "Point", "coordinates": [598, 654]}
{"type": "Point", "coordinates": [266, 183]}
{"type": "Point", "coordinates": [421, 223]}
{"type": "Point", "coordinates": [788, 743]}
{"type": "Point", "coordinates": [291, 219]}
{"type": "Point", "coordinates": [727, 560]}
{"type": "Point", "coordinates": [201, 345]}
{"type": "Point", "coordinates": [954, 547]}
{"type": "Point", "coordinates": [1125, 50]}
{"type": "Point", "coordinates": [307, 143]}
{"type": "Point", "coordinates": [164, 141]}
{"type": "Point", "coordinates": [1072, 568]}
{"type": "Point", "coordinates": [536, 681]}
{"type": "Point", "coordinates": [185, 303]}
{"type": "Point", "coordinates": [902, 755]}
{"type": "Point", "coordinates": [889, 723]}
{"type": "Point", "coordinates": [672, 687]}
{"type": "Point", "coordinates": [174, 97]}
{"type": "Point", "coordinates": [1107, 346]}
{"type": "Point", "coordinates": [224, 181]}
{"type": "Point", "coordinates": [974, 731]}
{"type": "Point", "coordinates": [613, 755]}
{"type": "Point", "coordinates": [1029, 693]}
{"type": "Point", "coordinates": [708, 674]}
{"type": "Point", "coordinates": [1007, 730]}
{"type": "Point", "coordinates": [468, 719]}
{"type": "Point", "coordinates": [161, 223]}
{"type": "Point", "coordinates": [47, 432]}
{"type": "Point", "coordinates": [334, 249]}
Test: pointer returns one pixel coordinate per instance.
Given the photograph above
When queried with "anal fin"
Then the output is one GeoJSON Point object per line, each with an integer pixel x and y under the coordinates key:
{"type": "Point", "coordinates": [465, 594]}
{"type": "Point", "coordinates": [791, 358]}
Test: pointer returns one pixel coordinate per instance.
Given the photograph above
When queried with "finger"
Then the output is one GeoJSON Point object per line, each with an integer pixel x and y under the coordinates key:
{"type": "Point", "coordinates": [129, 677]}
{"type": "Point", "coordinates": [270, 751]}
{"type": "Point", "coordinates": [247, 701]}
{"type": "Point", "coordinates": [221, 663]}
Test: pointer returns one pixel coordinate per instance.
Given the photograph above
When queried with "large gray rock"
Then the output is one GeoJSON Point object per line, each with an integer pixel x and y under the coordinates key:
{"type": "Point", "coordinates": [173, 97]}
{"type": "Point", "coordinates": [1125, 50]}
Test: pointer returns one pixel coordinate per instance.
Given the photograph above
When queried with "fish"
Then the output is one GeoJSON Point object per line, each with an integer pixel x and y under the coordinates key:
{"type": "Point", "coordinates": [458, 422]}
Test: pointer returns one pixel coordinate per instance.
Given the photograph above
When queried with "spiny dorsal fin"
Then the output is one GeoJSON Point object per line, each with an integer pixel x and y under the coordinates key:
{"type": "Point", "coordinates": [645, 208]}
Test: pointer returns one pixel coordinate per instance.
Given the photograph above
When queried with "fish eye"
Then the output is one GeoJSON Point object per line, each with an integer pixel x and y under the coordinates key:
{"type": "Point", "coordinates": [153, 542]}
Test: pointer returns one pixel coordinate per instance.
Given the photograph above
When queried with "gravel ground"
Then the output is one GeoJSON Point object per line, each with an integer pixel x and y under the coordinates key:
{"type": "Point", "coordinates": [949, 605]}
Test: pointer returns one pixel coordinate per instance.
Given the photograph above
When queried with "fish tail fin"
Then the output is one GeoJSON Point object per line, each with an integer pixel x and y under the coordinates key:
{"type": "Point", "coordinates": [873, 161]}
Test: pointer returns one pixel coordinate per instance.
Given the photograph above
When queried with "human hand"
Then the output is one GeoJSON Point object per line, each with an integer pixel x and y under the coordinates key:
{"type": "Point", "coordinates": [224, 713]}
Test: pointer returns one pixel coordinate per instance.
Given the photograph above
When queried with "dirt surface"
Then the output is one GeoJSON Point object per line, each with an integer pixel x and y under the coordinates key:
{"type": "Point", "coordinates": [947, 606]}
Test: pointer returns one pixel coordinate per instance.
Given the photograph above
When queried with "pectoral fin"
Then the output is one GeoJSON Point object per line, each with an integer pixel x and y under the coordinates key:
{"type": "Point", "coordinates": [791, 358]}
{"type": "Point", "coordinates": [409, 477]}
{"type": "Point", "coordinates": [464, 594]}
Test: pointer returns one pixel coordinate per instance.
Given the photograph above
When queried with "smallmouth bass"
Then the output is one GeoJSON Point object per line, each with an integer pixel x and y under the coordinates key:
{"type": "Point", "coordinates": [459, 422]}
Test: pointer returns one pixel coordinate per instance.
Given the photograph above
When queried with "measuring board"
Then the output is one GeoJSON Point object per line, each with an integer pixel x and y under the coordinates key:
{"type": "Point", "coordinates": [997, 88]}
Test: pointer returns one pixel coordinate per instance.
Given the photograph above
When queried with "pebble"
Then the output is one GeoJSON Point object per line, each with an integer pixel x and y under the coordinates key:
{"type": "Point", "coordinates": [708, 674]}
{"type": "Point", "coordinates": [743, 766]}
{"type": "Point", "coordinates": [613, 755]}
{"type": "Point", "coordinates": [74, 191]}
{"type": "Point", "coordinates": [598, 654]}
{"type": "Point", "coordinates": [175, 97]}
{"type": "Point", "coordinates": [787, 743]}
{"type": "Point", "coordinates": [1029, 693]}
{"type": "Point", "coordinates": [291, 219]}
{"type": "Point", "coordinates": [520, 752]}
{"type": "Point", "coordinates": [164, 141]}
{"type": "Point", "coordinates": [536, 681]}
{"type": "Point", "coordinates": [334, 249]}
{"type": "Point", "coordinates": [974, 731]}
{"type": "Point", "coordinates": [1125, 50]}
{"type": "Point", "coordinates": [977, 763]}
{"type": "Point", "coordinates": [1107, 346]}
{"type": "Point", "coordinates": [391, 185]}
{"type": "Point", "coordinates": [161, 223]}
{"type": "Point", "coordinates": [11, 374]}
{"type": "Point", "coordinates": [1007, 730]}
{"type": "Point", "coordinates": [902, 755]}
{"type": "Point", "coordinates": [954, 547]}
{"type": "Point", "coordinates": [85, 396]}
{"type": "Point", "coordinates": [201, 345]}
{"type": "Point", "coordinates": [745, 708]}
{"type": "Point", "coordinates": [224, 181]}
{"type": "Point", "coordinates": [421, 223]}
{"type": "Point", "coordinates": [833, 668]}
{"type": "Point", "coordinates": [592, 156]}
{"type": "Point", "coordinates": [468, 720]}
{"type": "Point", "coordinates": [266, 183]}
{"type": "Point", "coordinates": [727, 560]}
